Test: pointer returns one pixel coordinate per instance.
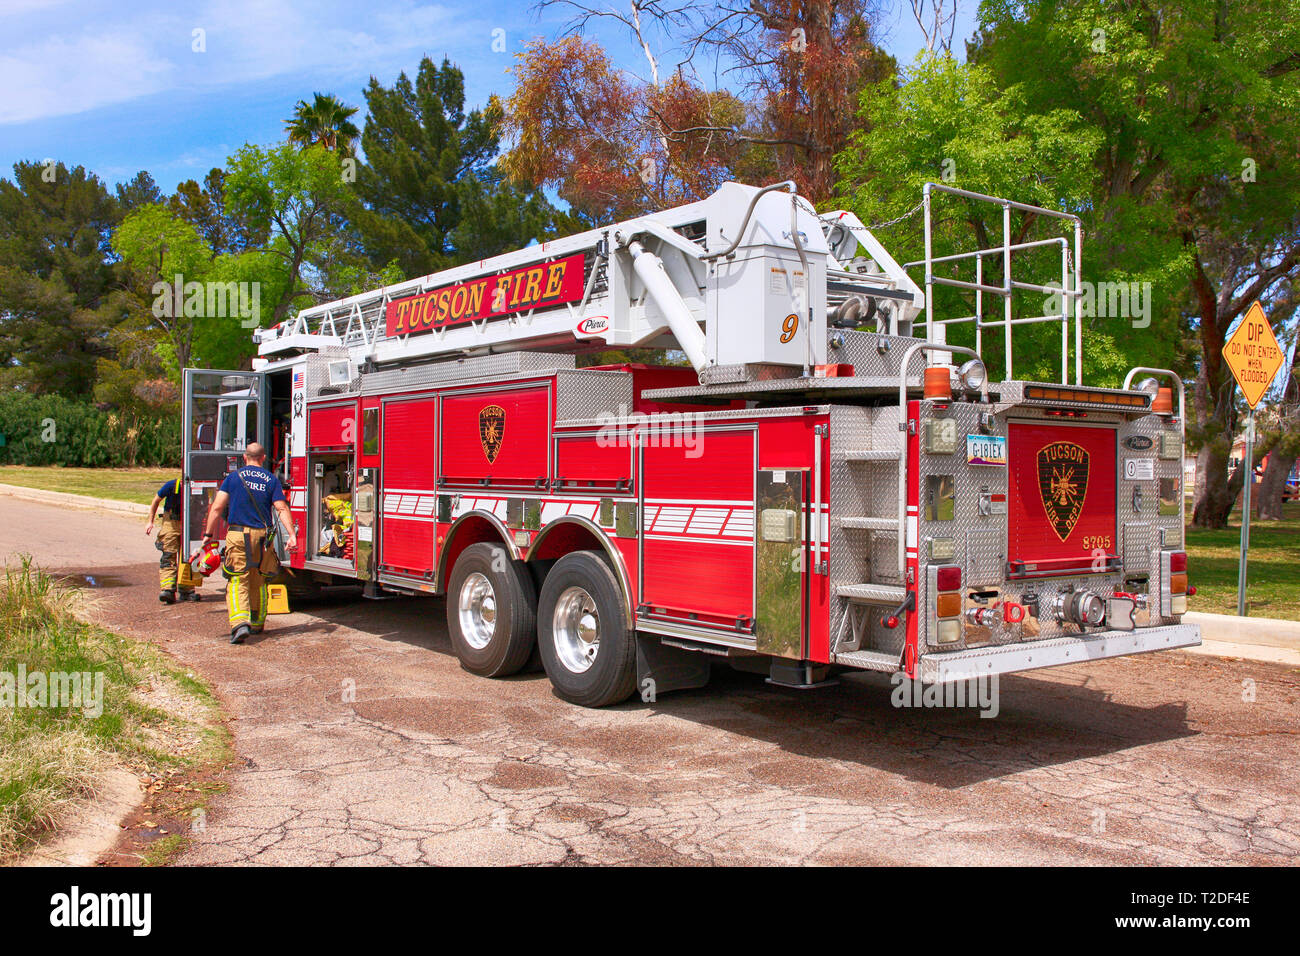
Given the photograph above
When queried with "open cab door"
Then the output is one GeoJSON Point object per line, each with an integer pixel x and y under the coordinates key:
{"type": "Point", "coordinates": [223, 411]}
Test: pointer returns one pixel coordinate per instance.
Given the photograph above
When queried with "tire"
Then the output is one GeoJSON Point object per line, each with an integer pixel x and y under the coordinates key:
{"type": "Point", "coordinates": [491, 611]}
{"type": "Point", "coordinates": [581, 600]}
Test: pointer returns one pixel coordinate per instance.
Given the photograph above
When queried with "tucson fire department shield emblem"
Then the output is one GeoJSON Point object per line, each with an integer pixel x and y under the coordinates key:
{"type": "Point", "coordinates": [1062, 484]}
{"type": "Point", "coordinates": [491, 430]}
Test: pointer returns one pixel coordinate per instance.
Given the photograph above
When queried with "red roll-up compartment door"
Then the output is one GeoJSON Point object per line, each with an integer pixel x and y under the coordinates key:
{"type": "Point", "coordinates": [1061, 517]}
{"type": "Point", "coordinates": [408, 502]}
{"type": "Point", "coordinates": [502, 435]}
{"type": "Point", "coordinates": [334, 426]}
{"type": "Point", "coordinates": [698, 527]}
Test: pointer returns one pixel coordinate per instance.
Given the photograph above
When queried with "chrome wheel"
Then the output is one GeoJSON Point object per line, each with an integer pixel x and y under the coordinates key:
{"type": "Point", "coordinates": [477, 604]}
{"type": "Point", "coordinates": [576, 627]}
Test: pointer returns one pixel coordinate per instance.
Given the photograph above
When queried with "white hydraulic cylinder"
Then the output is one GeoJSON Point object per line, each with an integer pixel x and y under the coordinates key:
{"type": "Point", "coordinates": [650, 269]}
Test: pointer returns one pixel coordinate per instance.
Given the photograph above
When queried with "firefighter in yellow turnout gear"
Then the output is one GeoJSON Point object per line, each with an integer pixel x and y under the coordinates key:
{"type": "Point", "coordinates": [249, 497]}
{"type": "Point", "coordinates": [169, 541]}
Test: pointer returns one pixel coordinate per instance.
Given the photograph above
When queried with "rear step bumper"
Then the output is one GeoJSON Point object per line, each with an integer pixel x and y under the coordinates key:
{"type": "Point", "coordinates": [944, 668]}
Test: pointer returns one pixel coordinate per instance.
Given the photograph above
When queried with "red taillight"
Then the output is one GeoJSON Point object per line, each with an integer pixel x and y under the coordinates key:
{"type": "Point", "coordinates": [1177, 561]}
{"type": "Point", "coordinates": [948, 579]}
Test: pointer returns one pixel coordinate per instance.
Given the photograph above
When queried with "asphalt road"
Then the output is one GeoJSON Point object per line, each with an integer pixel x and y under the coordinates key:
{"type": "Point", "coordinates": [362, 741]}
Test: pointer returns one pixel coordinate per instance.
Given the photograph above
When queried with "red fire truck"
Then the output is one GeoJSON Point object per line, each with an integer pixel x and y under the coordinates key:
{"type": "Point", "coordinates": [828, 485]}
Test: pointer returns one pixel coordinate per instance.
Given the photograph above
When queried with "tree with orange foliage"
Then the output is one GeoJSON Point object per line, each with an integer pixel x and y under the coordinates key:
{"type": "Point", "coordinates": [608, 144]}
{"type": "Point", "coordinates": [614, 145]}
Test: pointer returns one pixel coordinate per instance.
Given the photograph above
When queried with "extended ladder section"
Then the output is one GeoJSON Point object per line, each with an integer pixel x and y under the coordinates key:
{"type": "Point", "coordinates": [745, 277]}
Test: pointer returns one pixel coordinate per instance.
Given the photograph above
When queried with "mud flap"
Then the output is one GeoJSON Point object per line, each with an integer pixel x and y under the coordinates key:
{"type": "Point", "coordinates": [660, 668]}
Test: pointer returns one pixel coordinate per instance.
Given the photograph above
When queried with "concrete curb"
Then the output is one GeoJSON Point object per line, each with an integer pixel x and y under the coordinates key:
{"type": "Point", "coordinates": [71, 500]}
{"type": "Point", "coordinates": [1260, 631]}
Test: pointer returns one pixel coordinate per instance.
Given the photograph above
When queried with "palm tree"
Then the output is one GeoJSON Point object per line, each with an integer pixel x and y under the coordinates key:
{"type": "Point", "coordinates": [325, 122]}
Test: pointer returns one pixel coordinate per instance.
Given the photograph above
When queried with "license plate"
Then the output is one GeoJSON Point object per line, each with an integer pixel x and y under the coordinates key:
{"type": "Point", "coordinates": [986, 450]}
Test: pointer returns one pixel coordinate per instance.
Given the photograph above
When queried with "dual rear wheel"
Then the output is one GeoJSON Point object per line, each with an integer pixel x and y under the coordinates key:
{"type": "Point", "coordinates": [578, 623]}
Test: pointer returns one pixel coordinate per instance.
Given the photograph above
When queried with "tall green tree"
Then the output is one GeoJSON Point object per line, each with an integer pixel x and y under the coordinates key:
{"type": "Point", "coordinates": [430, 194]}
{"type": "Point", "coordinates": [163, 252]}
{"type": "Point", "coordinates": [299, 200]}
{"type": "Point", "coordinates": [204, 207]}
{"type": "Point", "coordinates": [1199, 101]}
{"type": "Point", "coordinates": [57, 285]}
{"type": "Point", "coordinates": [323, 122]}
{"type": "Point", "coordinates": [951, 122]}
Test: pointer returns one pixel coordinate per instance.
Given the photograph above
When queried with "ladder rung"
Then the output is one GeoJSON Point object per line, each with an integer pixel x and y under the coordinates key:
{"type": "Point", "coordinates": [875, 454]}
{"type": "Point", "coordinates": [872, 593]}
{"type": "Point", "coordinates": [870, 524]}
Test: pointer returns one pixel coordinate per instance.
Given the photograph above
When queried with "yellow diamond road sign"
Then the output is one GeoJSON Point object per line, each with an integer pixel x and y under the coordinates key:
{"type": "Point", "coordinates": [1253, 355]}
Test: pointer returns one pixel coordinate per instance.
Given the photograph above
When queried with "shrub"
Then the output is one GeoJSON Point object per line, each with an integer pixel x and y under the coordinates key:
{"type": "Point", "coordinates": [53, 430]}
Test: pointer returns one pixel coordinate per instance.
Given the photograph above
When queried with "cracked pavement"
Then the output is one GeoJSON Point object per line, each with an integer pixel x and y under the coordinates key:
{"type": "Point", "coordinates": [360, 740]}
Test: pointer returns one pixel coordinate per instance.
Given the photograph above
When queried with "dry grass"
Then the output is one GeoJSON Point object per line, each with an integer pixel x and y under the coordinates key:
{"type": "Point", "coordinates": [51, 756]}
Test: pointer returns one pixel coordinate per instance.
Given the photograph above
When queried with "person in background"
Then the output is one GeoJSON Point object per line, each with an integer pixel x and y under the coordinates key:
{"type": "Point", "coordinates": [169, 541]}
{"type": "Point", "coordinates": [248, 497]}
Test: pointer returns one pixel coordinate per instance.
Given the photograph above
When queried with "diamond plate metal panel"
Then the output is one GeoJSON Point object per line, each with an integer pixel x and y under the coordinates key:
{"type": "Point", "coordinates": [1138, 539]}
{"type": "Point", "coordinates": [581, 394]}
{"type": "Point", "coordinates": [460, 371]}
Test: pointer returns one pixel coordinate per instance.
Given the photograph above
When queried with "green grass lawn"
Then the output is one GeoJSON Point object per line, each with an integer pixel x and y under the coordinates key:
{"type": "Point", "coordinates": [1273, 584]}
{"type": "Point", "coordinates": [121, 484]}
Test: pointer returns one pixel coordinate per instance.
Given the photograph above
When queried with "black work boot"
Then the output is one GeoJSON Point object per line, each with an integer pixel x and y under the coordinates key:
{"type": "Point", "coordinates": [239, 634]}
{"type": "Point", "coordinates": [190, 596]}
{"type": "Point", "coordinates": [167, 597]}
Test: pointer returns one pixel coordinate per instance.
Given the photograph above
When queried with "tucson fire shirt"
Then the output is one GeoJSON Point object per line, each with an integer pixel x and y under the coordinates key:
{"type": "Point", "coordinates": [263, 487]}
{"type": "Point", "coordinates": [170, 493]}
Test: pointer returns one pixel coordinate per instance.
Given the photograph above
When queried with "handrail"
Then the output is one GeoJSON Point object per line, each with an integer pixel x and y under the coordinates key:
{"type": "Point", "coordinates": [1182, 417]}
{"type": "Point", "coordinates": [1069, 292]}
{"type": "Point", "coordinates": [902, 427]}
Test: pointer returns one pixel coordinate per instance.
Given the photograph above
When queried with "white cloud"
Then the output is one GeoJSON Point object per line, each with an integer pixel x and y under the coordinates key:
{"type": "Point", "coordinates": [56, 65]}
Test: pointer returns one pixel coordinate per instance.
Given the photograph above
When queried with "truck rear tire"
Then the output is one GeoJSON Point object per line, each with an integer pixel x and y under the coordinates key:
{"type": "Point", "coordinates": [491, 611]}
{"type": "Point", "coordinates": [583, 633]}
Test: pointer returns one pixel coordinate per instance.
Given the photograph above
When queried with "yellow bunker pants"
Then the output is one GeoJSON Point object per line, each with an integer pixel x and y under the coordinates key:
{"type": "Point", "coordinates": [169, 536]}
{"type": "Point", "coordinates": [246, 592]}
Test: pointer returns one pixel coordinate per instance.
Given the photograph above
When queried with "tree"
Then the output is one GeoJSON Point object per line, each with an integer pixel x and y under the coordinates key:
{"type": "Point", "coordinates": [298, 199]}
{"type": "Point", "coordinates": [1198, 100]}
{"type": "Point", "coordinates": [163, 253]}
{"type": "Point", "coordinates": [57, 283]}
{"type": "Point", "coordinates": [615, 145]}
{"type": "Point", "coordinates": [429, 193]}
{"type": "Point", "coordinates": [204, 207]}
{"type": "Point", "coordinates": [323, 122]}
{"type": "Point", "coordinates": [952, 122]}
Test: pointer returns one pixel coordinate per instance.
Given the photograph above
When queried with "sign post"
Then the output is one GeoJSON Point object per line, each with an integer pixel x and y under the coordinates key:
{"type": "Point", "coordinates": [1254, 356]}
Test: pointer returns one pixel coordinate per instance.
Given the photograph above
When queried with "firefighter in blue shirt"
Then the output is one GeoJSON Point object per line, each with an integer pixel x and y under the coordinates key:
{"type": "Point", "coordinates": [249, 497]}
{"type": "Point", "coordinates": [169, 541]}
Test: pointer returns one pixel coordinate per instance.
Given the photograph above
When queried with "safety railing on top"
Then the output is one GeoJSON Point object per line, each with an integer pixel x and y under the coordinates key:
{"type": "Point", "coordinates": [1068, 291]}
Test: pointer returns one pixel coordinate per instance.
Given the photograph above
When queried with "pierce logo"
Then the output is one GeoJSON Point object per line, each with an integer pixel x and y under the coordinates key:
{"type": "Point", "coordinates": [593, 325]}
{"type": "Point", "coordinates": [492, 430]}
{"type": "Point", "coordinates": [1063, 484]}
{"type": "Point", "coordinates": [1138, 442]}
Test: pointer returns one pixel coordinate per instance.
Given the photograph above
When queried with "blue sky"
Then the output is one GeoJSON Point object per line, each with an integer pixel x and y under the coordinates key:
{"type": "Point", "coordinates": [123, 86]}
